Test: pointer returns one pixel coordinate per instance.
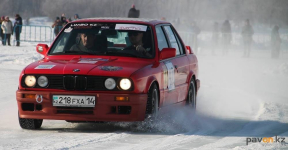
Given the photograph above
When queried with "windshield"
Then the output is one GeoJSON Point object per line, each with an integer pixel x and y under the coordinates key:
{"type": "Point", "coordinates": [112, 39]}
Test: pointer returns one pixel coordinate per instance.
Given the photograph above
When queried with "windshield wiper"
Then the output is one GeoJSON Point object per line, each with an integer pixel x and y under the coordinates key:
{"type": "Point", "coordinates": [73, 52]}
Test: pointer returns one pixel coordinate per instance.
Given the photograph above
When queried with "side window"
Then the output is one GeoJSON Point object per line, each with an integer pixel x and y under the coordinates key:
{"type": "Point", "coordinates": [162, 42]}
{"type": "Point", "coordinates": [180, 44]}
{"type": "Point", "coordinates": [172, 39]}
{"type": "Point", "coordinates": [61, 43]}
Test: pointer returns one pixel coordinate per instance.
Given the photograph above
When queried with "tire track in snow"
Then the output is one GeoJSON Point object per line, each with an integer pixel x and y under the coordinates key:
{"type": "Point", "coordinates": [177, 141]}
{"type": "Point", "coordinates": [88, 139]}
{"type": "Point", "coordinates": [64, 141]}
{"type": "Point", "coordinates": [265, 125]}
{"type": "Point", "coordinates": [207, 131]}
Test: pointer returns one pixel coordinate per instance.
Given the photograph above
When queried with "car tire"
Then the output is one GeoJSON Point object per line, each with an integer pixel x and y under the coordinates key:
{"type": "Point", "coordinates": [191, 96]}
{"type": "Point", "coordinates": [152, 106]}
{"type": "Point", "coordinates": [30, 123]}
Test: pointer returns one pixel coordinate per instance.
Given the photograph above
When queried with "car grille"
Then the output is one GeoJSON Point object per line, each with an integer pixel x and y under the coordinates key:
{"type": "Point", "coordinates": [74, 82]}
{"type": "Point", "coordinates": [71, 82]}
{"type": "Point", "coordinates": [55, 82]}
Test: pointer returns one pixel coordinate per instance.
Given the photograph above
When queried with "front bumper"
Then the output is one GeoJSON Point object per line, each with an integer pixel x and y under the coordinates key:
{"type": "Point", "coordinates": [106, 108]}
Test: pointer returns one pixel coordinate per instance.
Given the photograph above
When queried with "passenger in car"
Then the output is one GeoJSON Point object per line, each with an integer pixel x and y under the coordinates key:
{"type": "Point", "coordinates": [137, 43]}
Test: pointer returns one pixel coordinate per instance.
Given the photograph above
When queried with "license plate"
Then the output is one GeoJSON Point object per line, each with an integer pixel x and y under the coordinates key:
{"type": "Point", "coordinates": [73, 101]}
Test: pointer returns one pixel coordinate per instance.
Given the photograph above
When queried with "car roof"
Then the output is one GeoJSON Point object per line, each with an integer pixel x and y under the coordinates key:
{"type": "Point", "coordinates": [124, 20]}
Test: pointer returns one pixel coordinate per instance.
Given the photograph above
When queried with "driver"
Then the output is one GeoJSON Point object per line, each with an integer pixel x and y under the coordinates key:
{"type": "Point", "coordinates": [87, 43]}
{"type": "Point", "coordinates": [136, 39]}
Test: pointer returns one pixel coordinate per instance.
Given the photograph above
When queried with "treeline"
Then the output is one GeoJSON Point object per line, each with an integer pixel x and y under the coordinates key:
{"type": "Point", "coordinates": [27, 8]}
{"type": "Point", "coordinates": [262, 11]}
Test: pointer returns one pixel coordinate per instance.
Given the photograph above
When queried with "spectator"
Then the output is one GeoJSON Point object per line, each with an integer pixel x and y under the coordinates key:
{"type": "Point", "coordinates": [62, 16]}
{"type": "Point", "coordinates": [27, 21]}
{"type": "Point", "coordinates": [195, 30]}
{"type": "Point", "coordinates": [1, 33]}
{"type": "Point", "coordinates": [226, 36]}
{"type": "Point", "coordinates": [7, 30]}
{"type": "Point", "coordinates": [57, 25]}
{"type": "Point", "coordinates": [133, 13]}
{"type": "Point", "coordinates": [69, 20]}
{"type": "Point", "coordinates": [215, 36]}
{"type": "Point", "coordinates": [275, 42]}
{"type": "Point", "coordinates": [18, 28]}
{"type": "Point", "coordinates": [163, 18]}
{"type": "Point", "coordinates": [76, 17]}
{"type": "Point", "coordinates": [247, 33]}
{"type": "Point", "coordinates": [63, 20]}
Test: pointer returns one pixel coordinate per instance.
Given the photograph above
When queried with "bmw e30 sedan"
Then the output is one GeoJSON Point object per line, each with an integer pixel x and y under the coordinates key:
{"type": "Point", "coordinates": [108, 69]}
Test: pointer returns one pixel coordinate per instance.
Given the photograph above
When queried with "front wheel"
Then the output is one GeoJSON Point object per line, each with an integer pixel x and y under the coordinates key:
{"type": "Point", "coordinates": [30, 123]}
{"type": "Point", "coordinates": [191, 96]}
{"type": "Point", "coordinates": [152, 107]}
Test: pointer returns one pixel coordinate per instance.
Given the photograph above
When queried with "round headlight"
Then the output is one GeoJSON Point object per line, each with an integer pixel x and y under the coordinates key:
{"type": "Point", "coordinates": [42, 81]}
{"type": "Point", "coordinates": [110, 83]}
{"type": "Point", "coordinates": [125, 84]}
{"type": "Point", "coordinates": [30, 81]}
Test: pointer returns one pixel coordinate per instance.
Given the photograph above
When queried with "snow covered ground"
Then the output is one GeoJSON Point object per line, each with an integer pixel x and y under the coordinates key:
{"type": "Point", "coordinates": [239, 98]}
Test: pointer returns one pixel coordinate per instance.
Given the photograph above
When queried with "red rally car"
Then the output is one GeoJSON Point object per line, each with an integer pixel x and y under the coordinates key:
{"type": "Point", "coordinates": [108, 69]}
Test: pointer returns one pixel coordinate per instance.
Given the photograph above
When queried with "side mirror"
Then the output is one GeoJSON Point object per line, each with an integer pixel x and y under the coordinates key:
{"type": "Point", "coordinates": [42, 49]}
{"type": "Point", "coordinates": [167, 53]}
{"type": "Point", "coordinates": [189, 50]}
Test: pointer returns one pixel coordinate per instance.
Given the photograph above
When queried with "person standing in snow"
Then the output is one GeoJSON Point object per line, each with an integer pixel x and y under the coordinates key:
{"type": "Point", "coordinates": [215, 36]}
{"type": "Point", "coordinates": [133, 13]}
{"type": "Point", "coordinates": [27, 21]}
{"type": "Point", "coordinates": [226, 36]}
{"type": "Point", "coordinates": [57, 25]}
{"type": "Point", "coordinates": [247, 33]}
{"type": "Point", "coordinates": [1, 33]}
{"type": "Point", "coordinates": [195, 31]}
{"type": "Point", "coordinates": [18, 28]}
{"type": "Point", "coordinates": [76, 17]}
{"type": "Point", "coordinates": [163, 19]}
{"type": "Point", "coordinates": [63, 20]}
{"type": "Point", "coordinates": [7, 28]}
{"type": "Point", "coordinates": [275, 42]}
{"type": "Point", "coordinates": [69, 20]}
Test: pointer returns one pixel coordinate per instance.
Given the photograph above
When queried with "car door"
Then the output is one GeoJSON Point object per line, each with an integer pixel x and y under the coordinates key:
{"type": "Point", "coordinates": [169, 92]}
{"type": "Point", "coordinates": [180, 63]}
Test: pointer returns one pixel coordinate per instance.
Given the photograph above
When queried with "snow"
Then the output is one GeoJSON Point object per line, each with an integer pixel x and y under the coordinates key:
{"type": "Point", "coordinates": [239, 98]}
{"type": "Point", "coordinates": [41, 21]}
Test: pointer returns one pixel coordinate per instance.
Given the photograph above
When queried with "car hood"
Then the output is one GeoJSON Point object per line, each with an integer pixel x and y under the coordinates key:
{"type": "Point", "coordinates": [119, 67]}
